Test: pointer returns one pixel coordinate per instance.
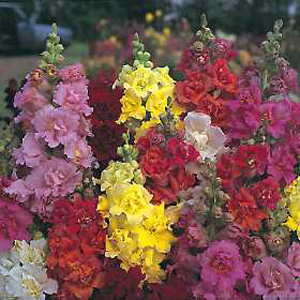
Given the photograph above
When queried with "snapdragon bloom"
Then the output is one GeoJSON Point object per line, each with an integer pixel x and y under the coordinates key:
{"type": "Point", "coordinates": [222, 265]}
{"type": "Point", "coordinates": [272, 279]}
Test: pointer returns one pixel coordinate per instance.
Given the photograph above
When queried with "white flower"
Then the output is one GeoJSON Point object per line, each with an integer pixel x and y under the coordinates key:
{"type": "Point", "coordinates": [208, 140]}
{"type": "Point", "coordinates": [33, 253]}
{"type": "Point", "coordinates": [23, 273]}
{"type": "Point", "coordinates": [29, 282]}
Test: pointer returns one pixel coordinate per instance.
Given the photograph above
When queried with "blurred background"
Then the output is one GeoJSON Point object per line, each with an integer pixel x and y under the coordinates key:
{"type": "Point", "coordinates": [98, 33]}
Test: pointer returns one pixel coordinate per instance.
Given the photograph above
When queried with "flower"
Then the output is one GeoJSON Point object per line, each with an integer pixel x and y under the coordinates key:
{"type": "Point", "coordinates": [56, 125]}
{"type": "Point", "coordinates": [72, 73]}
{"type": "Point", "coordinates": [131, 199]}
{"type": "Point", "coordinates": [254, 247]}
{"type": "Point", "coordinates": [222, 265]}
{"type": "Point", "coordinates": [55, 177]}
{"type": "Point", "coordinates": [14, 221]}
{"type": "Point", "coordinates": [272, 279]}
{"type": "Point", "coordinates": [244, 208]}
{"type": "Point", "coordinates": [208, 140]}
{"type": "Point", "coordinates": [281, 165]}
{"type": "Point", "coordinates": [74, 96]}
{"type": "Point", "coordinates": [131, 107]}
{"type": "Point", "coordinates": [293, 259]}
{"type": "Point", "coordinates": [293, 221]}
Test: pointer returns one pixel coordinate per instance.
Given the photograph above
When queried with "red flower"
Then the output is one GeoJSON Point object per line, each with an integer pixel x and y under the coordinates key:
{"type": "Point", "coordinates": [107, 135]}
{"type": "Point", "coordinates": [181, 180]}
{"type": "Point", "coordinates": [267, 192]}
{"type": "Point", "coordinates": [181, 152]}
{"type": "Point", "coordinates": [245, 211]}
{"type": "Point", "coordinates": [156, 165]}
{"type": "Point", "coordinates": [223, 78]}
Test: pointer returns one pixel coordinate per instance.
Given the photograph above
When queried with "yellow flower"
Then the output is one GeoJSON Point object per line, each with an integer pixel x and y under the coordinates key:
{"type": "Point", "coordinates": [166, 31]}
{"type": "Point", "coordinates": [293, 190]}
{"type": "Point", "coordinates": [117, 173]}
{"type": "Point", "coordinates": [158, 13]}
{"type": "Point", "coordinates": [163, 76]}
{"type": "Point", "coordinates": [154, 231]}
{"type": "Point", "coordinates": [293, 221]}
{"type": "Point", "coordinates": [142, 81]}
{"type": "Point", "coordinates": [131, 199]}
{"type": "Point", "coordinates": [149, 17]}
{"type": "Point", "coordinates": [157, 102]}
{"type": "Point", "coordinates": [131, 107]}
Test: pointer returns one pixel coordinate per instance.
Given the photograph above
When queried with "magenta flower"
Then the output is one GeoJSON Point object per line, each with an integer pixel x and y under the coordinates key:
{"type": "Point", "coordinates": [56, 125]}
{"type": "Point", "coordinates": [14, 222]}
{"type": "Point", "coordinates": [30, 153]}
{"type": "Point", "coordinates": [222, 265]}
{"type": "Point", "coordinates": [281, 165]}
{"type": "Point", "coordinates": [272, 279]}
{"type": "Point", "coordinates": [294, 293]}
{"type": "Point", "coordinates": [73, 96]}
{"type": "Point", "coordinates": [293, 259]}
{"type": "Point", "coordinates": [55, 177]}
{"type": "Point", "coordinates": [79, 152]}
{"type": "Point", "coordinates": [276, 115]}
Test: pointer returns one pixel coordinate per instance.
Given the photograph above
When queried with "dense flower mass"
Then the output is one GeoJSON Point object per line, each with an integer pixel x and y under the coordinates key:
{"type": "Point", "coordinates": [196, 192]}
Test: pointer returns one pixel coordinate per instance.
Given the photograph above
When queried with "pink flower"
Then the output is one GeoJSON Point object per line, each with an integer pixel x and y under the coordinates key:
{"type": "Point", "coordinates": [79, 152]}
{"type": "Point", "coordinates": [281, 165]}
{"type": "Point", "coordinates": [14, 222]}
{"type": "Point", "coordinates": [56, 125]}
{"type": "Point", "coordinates": [272, 279]}
{"type": "Point", "coordinates": [294, 293]}
{"type": "Point", "coordinates": [222, 265]}
{"type": "Point", "coordinates": [73, 73]}
{"type": "Point", "coordinates": [254, 247]}
{"type": "Point", "coordinates": [29, 100]}
{"type": "Point", "coordinates": [293, 259]}
{"type": "Point", "coordinates": [30, 153]}
{"type": "Point", "coordinates": [276, 115]}
{"type": "Point", "coordinates": [20, 189]}
{"type": "Point", "coordinates": [55, 177]}
{"type": "Point", "coordinates": [74, 96]}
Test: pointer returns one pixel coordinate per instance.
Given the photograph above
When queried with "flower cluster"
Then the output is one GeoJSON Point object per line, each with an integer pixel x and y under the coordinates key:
{"type": "Point", "coordinates": [148, 91]}
{"type": "Point", "coordinates": [23, 272]}
{"type": "Point", "coordinates": [107, 135]}
{"type": "Point", "coordinates": [53, 105]}
{"type": "Point", "coordinates": [139, 233]}
{"type": "Point", "coordinates": [76, 240]}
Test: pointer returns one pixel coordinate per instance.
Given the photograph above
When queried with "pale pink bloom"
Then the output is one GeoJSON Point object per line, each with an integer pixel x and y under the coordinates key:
{"type": "Point", "coordinates": [29, 100]}
{"type": "Point", "coordinates": [207, 139]}
{"type": "Point", "coordinates": [73, 95]}
{"type": "Point", "coordinates": [73, 73]}
{"type": "Point", "coordinates": [79, 152]}
{"type": "Point", "coordinates": [30, 153]}
{"type": "Point", "coordinates": [293, 259]}
{"type": "Point", "coordinates": [56, 125]}
{"type": "Point", "coordinates": [55, 177]}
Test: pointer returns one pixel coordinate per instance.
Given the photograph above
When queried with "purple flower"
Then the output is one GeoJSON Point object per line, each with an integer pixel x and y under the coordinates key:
{"type": "Point", "coordinates": [293, 259]}
{"type": "Point", "coordinates": [14, 222]}
{"type": "Point", "coordinates": [222, 265]}
{"type": "Point", "coordinates": [282, 164]}
{"type": "Point", "coordinates": [276, 115]}
{"type": "Point", "coordinates": [20, 189]}
{"type": "Point", "coordinates": [30, 153]}
{"type": "Point", "coordinates": [294, 293]}
{"type": "Point", "coordinates": [73, 96]}
{"type": "Point", "coordinates": [272, 279]}
{"type": "Point", "coordinates": [55, 177]}
{"type": "Point", "coordinates": [56, 125]}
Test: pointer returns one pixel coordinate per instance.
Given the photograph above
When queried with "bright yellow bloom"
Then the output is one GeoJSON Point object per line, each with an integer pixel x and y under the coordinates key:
{"type": "Point", "coordinates": [163, 76]}
{"type": "Point", "coordinates": [131, 199]}
{"type": "Point", "coordinates": [149, 17]}
{"type": "Point", "coordinates": [293, 190]}
{"type": "Point", "coordinates": [157, 102]}
{"type": "Point", "coordinates": [131, 107]}
{"type": "Point", "coordinates": [166, 31]}
{"type": "Point", "coordinates": [142, 81]}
